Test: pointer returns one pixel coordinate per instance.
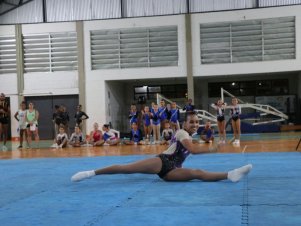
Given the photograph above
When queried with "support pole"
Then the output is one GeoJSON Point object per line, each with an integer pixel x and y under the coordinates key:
{"type": "Point", "coordinates": [190, 82]}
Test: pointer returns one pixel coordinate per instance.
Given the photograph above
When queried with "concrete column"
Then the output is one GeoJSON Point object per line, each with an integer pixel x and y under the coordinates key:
{"type": "Point", "coordinates": [20, 61]}
{"type": "Point", "coordinates": [190, 82]}
{"type": "Point", "coordinates": [81, 67]}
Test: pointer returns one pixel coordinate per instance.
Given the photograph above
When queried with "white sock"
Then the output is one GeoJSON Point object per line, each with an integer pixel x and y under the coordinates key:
{"type": "Point", "coordinates": [82, 175]}
{"type": "Point", "coordinates": [236, 174]}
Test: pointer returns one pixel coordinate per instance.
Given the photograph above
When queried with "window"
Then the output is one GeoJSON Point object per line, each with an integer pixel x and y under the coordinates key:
{"type": "Point", "coordinates": [134, 48]}
{"type": "Point", "coordinates": [169, 91]}
{"type": "Point", "coordinates": [50, 52]}
{"type": "Point", "coordinates": [8, 54]}
{"type": "Point", "coordinates": [248, 41]}
{"type": "Point", "coordinates": [250, 88]}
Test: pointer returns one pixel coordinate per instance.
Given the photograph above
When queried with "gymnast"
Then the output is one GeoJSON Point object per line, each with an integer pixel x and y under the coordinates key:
{"type": "Point", "coordinates": [168, 165]}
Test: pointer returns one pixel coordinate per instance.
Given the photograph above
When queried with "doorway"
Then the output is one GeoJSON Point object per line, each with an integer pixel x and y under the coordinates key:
{"type": "Point", "coordinates": [45, 106]}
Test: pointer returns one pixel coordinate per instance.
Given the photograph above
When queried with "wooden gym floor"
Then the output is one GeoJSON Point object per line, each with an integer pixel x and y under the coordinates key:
{"type": "Point", "coordinates": [250, 143]}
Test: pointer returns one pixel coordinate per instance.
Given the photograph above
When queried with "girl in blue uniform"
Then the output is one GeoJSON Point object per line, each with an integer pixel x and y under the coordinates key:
{"type": "Point", "coordinates": [221, 122]}
{"type": "Point", "coordinates": [168, 165]}
{"type": "Point", "coordinates": [135, 135]}
{"type": "Point", "coordinates": [174, 117]}
{"type": "Point", "coordinates": [207, 133]}
{"type": "Point", "coordinates": [146, 117]}
{"type": "Point", "coordinates": [162, 112]}
{"type": "Point", "coordinates": [156, 123]}
{"type": "Point", "coordinates": [133, 115]}
{"type": "Point", "coordinates": [235, 111]}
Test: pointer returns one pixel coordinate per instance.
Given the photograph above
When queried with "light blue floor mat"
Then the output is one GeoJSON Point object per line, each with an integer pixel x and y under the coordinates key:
{"type": "Point", "coordinates": [39, 192]}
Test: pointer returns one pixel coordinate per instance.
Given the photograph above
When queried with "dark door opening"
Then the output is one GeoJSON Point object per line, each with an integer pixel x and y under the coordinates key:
{"type": "Point", "coordinates": [45, 106]}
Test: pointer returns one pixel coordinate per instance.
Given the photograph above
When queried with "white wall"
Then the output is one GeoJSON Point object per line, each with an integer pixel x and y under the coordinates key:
{"type": "Point", "coordinates": [203, 101]}
{"type": "Point", "coordinates": [138, 73]}
{"type": "Point", "coordinates": [53, 83]}
{"type": "Point", "coordinates": [117, 102]}
{"type": "Point", "coordinates": [251, 67]}
{"type": "Point", "coordinates": [97, 90]}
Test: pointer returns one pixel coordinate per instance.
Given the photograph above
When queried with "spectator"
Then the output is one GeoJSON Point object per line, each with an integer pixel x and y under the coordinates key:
{"type": "Point", "coordinates": [20, 116]}
{"type": "Point", "coordinates": [135, 135]}
{"type": "Point", "coordinates": [61, 139]}
{"type": "Point", "coordinates": [77, 138]}
{"type": "Point", "coordinates": [4, 119]}
{"type": "Point", "coordinates": [207, 133]}
{"type": "Point", "coordinates": [189, 107]}
{"type": "Point", "coordinates": [96, 137]}
{"type": "Point", "coordinates": [32, 116]}
{"type": "Point", "coordinates": [80, 116]}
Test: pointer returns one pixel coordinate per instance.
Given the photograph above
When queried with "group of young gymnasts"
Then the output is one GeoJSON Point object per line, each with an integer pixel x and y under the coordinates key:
{"type": "Point", "coordinates": [169, 164]}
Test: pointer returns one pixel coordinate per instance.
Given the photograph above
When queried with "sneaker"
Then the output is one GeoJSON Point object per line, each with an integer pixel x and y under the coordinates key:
{"type": "Point", "coordinates": [236, 174]}
{"type": "Point", "coordinates": [236, 142]}
{"type": "Point", "coordinates": [19, 147]}
{"type": "Point", "coordinates": [82, 175]}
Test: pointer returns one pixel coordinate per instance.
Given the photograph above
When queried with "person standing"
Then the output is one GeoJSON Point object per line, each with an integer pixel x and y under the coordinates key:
{"type": "Point", "coordinates": [156, 124]}
{"type": "Point", "coordinates": [189, 107]}
{"type": "Point", "coordinates": [80, 116]}
{"type": "Point", "coordinates": [32, 116]}
{"type": "Point", "coordinates": [235, 111]}
{"type": "Point", "coordinates": [4, 120]}
{"type": "Point", "coordinates": [133, 114]}
{"type": "Point", "coordinates": [65, 119]}
{"type": "Point", "coordinates": [56, 119]}
{"type": "Point", "coordinates": [20, 116]}
{"type": "Point", "coordinates": [146, 116]}
{"type": "Point", "coordinates": [221, 122]}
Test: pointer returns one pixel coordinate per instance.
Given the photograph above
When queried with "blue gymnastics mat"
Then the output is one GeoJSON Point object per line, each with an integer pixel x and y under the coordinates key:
{"type": "Point", "coordinates": [39, 192]}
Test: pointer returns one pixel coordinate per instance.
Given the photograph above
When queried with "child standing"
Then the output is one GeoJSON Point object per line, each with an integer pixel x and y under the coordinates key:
{"type": "Point", "coordinates": [174, 117]}
{"type": "Point", "coordinates": [32, 116]}
{"type": "Point", "coordinates": [162, 112]}
{"type": "Point", "coordinates": [80, 116]}
{"type": "Point", "coordinates": [156, 123]}
{"type": "Point", "coordinates": [221, 122]}
{"type": "Point", "coordinates": [235, 111]}
{"type": "Point", "coordinates": [146, 116]}
{"type": "Point", "coordinates": [133, 115]}
{"type": "Point", "coordinates": [20, 116]}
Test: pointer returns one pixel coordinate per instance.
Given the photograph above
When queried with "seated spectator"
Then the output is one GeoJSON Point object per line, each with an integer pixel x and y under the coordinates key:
{"type": "Point", "coordinates": [167, 133]}
{"type": "Point", "coordinates": [77, 138]}
{"type": "Point", "coordinates": [135, 135]}
{"type": "Point", "coordinates": [61, 139]}
{"type": "Point", "coordinates": [96, 138]}
{"type": "Point", "coordinates": [109, 136]}
{"type": "Point", "coordinates": [207, 133]}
